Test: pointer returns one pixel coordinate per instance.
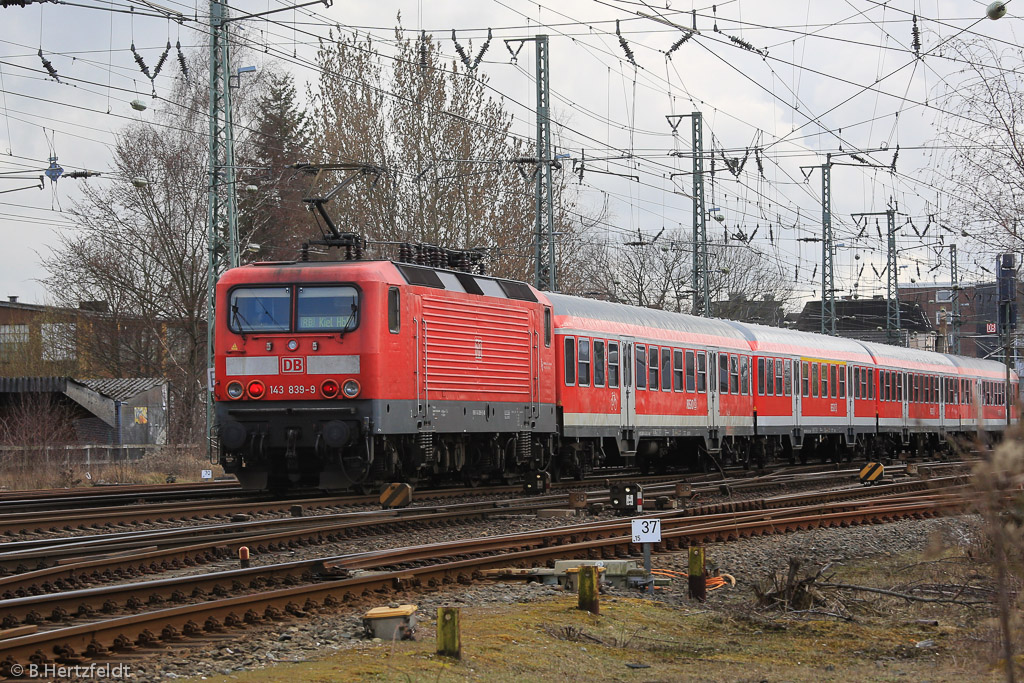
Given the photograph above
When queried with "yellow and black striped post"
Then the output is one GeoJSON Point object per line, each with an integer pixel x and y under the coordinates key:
{"type": "Point", "coordinates": [872, 473]}
{"type": "Point", "coordinates": [396, 495]}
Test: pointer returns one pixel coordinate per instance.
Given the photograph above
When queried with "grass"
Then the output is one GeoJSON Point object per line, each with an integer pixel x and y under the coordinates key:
{"type": "Point", "coordinates": [181, 464]}
{"type": "Point", "coordinates": [725, 639]}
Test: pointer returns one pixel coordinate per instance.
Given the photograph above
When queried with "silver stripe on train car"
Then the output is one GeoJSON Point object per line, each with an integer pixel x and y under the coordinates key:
{"type": "Point", "coordinates": [332, 365]}
{"type": "Point", "coordinates": [251, 365]}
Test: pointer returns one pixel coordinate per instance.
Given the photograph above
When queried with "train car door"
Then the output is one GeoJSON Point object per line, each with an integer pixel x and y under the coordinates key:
{"type": "Point", "coordinates": [713, 419]}
{"type": "Point", "coordinates": [795, 407]}
{"type": "Point", "coordinates": [627, 397]}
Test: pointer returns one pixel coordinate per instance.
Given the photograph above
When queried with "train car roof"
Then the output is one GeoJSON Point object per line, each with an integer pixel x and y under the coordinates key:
{"type": "Point", "coordinates": [576, 314]}
{"type": "Point", "coordinates": [765, 339]}
{"type": "Point", "coordinates": [980, 367]}
{"type": "Point", "coordinates": [909, 359]}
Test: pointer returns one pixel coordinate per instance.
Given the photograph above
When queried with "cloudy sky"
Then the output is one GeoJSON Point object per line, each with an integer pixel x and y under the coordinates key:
{"type": "Point", "coordinates": [779, 82]}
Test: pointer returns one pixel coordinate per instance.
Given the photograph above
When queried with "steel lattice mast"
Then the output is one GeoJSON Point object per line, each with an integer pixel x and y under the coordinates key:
{"type": "Point", "coordinates": [222, 216]}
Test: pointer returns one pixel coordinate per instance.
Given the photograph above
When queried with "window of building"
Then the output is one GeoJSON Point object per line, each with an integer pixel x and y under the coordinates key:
{"type": "Point", "coordinates": [613, 364]}
{"type": "Point", "coordinates": [583, 363]}
{"type": "Point", "coordinates": [690, 369]}
{"type": "Point", "coordinates": [570, 361]}
{"type": "Point", "coordinates": [599, 362]}
{"type": "Point", "coordinates": [59, 341]}
{"type": "Point", "coordinates": [943, 296]}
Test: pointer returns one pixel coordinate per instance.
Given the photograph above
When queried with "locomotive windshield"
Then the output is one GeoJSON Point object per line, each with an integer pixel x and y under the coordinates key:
{"type": "Point", "coordinates": [325, 309]}
{"type": "Point", "coordinates": [260, 309]}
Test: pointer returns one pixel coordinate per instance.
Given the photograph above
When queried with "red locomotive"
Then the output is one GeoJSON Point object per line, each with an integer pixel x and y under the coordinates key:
{"type": "Point", "coordinates": [353, 373]}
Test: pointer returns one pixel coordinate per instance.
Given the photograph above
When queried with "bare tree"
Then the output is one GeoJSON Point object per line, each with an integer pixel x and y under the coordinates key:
{"type": "Point", "coordinates": [981, 166]}
{"type": "Point", "coordinates": [443, 139]}
{"type": "Point", "coordinates": [656, 271]}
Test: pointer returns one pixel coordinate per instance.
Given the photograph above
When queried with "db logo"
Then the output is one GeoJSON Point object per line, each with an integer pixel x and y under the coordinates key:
{"type": "Point", "coordinates": [293, 365]}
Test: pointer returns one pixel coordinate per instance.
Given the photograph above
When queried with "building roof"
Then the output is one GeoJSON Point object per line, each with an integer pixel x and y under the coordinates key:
{"type": "Point", "coordinates": [122, 388]}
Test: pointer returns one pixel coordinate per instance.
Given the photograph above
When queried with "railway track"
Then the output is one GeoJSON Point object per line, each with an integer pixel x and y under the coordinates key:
{"type": "Point", "coordinates": [72, 626]}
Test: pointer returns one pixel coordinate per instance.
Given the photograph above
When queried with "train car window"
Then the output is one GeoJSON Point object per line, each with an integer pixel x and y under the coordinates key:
{"type": "Point", "coordinates": [964, 392]}
{"type": "Point", "coordinates": [935, 389]}
{"type": "Point", "coordinates": [842, 382]}
{"type": "Point", "coordinates": [570, 361]}
{"type": "Point", "coordinates": [805, 380]}
{"type": "Point", "coordinates": [789, 378]}
{"type": "Point", "coordinates": [893, 382]}
{"type": "Point", "coordinates": [641, 366]}
{"type": "Point", "coordinates": [814, 380]}
{"type": "Point", "coordinates": [769, 371]}
{"type": "Point", "coordinates": [901, 379]}
{"type": "Point", "coordinates": [491, 288]}
{"type": "Point", "coordinates": [613, 364]}
{"type": "Point", "coordinates": [883, 385]}
{"type": "Point", "coordinates": [677, 369]}
{"type": "Point", "coordinates": [871, 383]}
{"type": "Point", "coordinates": [547, 327]}
{"type": "Point", "coordinates": [702, 372]}
{"type": "Point", "coordinates": [734, 374]}
{"type": "Point", "coordinates": [760, 376]}
{"type": "Point", "coordinates": [723, 373]}
{"type": "Point", "coordinates": [260, 309]}
{"type": "Point", "coordinates": [652, 368]}
{"type": "Point", "coordinates": [598, 362]}
{"type": "Point", "coordinates": [583, 363]}
{"type": "Point", "coordinates": [690, 384]}
{"type": "Point", "coordinates": [394, 311]}
{"type": "Point", "coordinates": [778, 377]}
{"type": "Point", "coordinates": [627, 365]}
{"type": "Point", "coordinates": [666, 369]}
{"type": "Point", "coordinates": [744, 375]}
{"type": "Point", "coordinates": [334, 309]}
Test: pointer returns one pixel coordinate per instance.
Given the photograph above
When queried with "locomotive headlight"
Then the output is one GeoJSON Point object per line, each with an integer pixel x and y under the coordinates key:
{"type": "Point", "coordinates": [292, 344]}
{"type": "Point", "coordinates": [350, 388]}
{"type": "Point", "coordinates": [329, 388]}
{"type": "Point", "coordinates": [235, 391]}
{"type": "Point", "coordinates": [256, 389]}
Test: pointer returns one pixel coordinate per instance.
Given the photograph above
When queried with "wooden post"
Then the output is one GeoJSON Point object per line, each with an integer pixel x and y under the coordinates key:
{"type": "Point", "coordinates": [449, 637]}
{"type": "Point", "coordinates": [589, 599]}
{"type": "Point", "coordinates": [698, 583]}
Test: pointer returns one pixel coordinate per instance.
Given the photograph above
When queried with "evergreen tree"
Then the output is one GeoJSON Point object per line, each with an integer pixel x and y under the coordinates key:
{"type": "Point", "coordinates": [270, 209]}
